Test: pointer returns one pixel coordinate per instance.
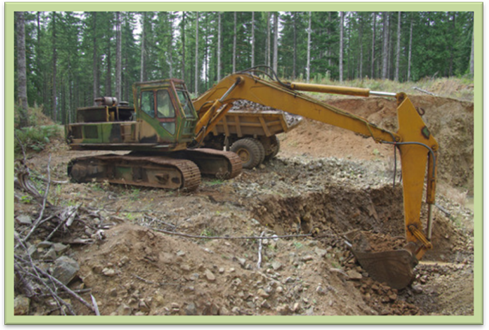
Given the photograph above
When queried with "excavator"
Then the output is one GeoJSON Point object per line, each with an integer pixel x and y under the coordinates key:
{"type": "Point", "coordinates": [165, 128]}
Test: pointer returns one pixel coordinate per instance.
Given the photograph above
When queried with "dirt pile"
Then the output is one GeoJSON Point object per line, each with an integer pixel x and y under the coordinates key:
{"type": "Point", "coordinates": [450, 121]}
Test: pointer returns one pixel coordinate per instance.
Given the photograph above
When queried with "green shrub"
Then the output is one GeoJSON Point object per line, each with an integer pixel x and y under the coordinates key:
{"type": "Point", "coordinates": [35, 137]}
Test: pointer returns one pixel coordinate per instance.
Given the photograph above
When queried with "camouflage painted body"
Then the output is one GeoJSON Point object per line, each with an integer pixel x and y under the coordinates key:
{"type": "Point", "coordinates": [131, 128]}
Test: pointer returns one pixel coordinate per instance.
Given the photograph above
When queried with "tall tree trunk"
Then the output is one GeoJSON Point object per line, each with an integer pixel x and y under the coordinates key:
{"type": "Point", "coordinates": [308, 67]}
{"type": "Point", "coordinates": [294, 59]}
{"type": "Point", "coordinates": [275, 42]}
{"type": "Point", "coordinates": [38, 60]}
{"type": "Point", "coordinates": [143, 47]}
{"type": "Point", "coordinates": [108, 77]}
{"type": "Point", "coordinates": [268, 39]}
{"type": "Point", "coordinates": [234, 43]}
{"type": "Point", "coordinates": [63, 103]}
{"type": "Point", "coordinates": [389, 47]}
{"type": "Point", "coordinates": [329, 47]}
{"type": "Point", "coordinates": [348, 48]}
{"type": "Point", "coordinates": [450, 70]}
{"type": "Point", "coordinates": [54, 68]}
{"type": "Point", "coordinates": [95, 59]}
{"type": "Point", "coordinates": [219, 47]}
{"type": "Point", "coordinates": [170, 45]}
{"type": "Point", "coordinates": [372, 69]}
{"type": "Point", "coordinates": [385, 52]}
{"type": "Point", "coordinates": [342, 21]}
{"type": "Point", "coordinates": [360, 60]}
{"type": "Point", "coordinates": [21, 69]}
{"type": "Point", "coordinates": [471, 64]}
{"type": "Point", "coordinates": [398, 48]}
{"type": "Point", "coordinates": [410, 48]}
{"type": "Point", "coordinates": [118, 66]}
{"type": "Point", "coordinates": [252, 39]}
{"type": "Point", "coordinates": [183, 45]}
{"type": "Point", "coordinates": [206, 53]}
{"type": "Point", "coordinates": [196, 90]}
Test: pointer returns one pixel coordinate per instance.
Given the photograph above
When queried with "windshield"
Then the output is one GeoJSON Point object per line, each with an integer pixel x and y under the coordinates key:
{"type": "Point", "coordinates": [187, 105]}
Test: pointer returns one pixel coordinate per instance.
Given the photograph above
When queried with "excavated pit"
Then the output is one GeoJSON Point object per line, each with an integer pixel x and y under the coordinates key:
{"type": "Point", "coordinates": [333, 214]}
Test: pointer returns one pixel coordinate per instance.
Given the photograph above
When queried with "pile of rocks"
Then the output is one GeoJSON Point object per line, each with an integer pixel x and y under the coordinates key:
{"type": "Point", "coordinates": [245, 105]}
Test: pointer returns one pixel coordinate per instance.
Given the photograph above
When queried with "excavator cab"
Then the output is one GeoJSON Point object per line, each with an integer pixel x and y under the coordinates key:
{"type": "Point", "coordinates": [165, 114]}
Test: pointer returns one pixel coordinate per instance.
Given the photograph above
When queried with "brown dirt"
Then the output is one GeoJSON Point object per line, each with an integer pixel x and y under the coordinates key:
{"type": "Point", "coordinates": [325, 181]}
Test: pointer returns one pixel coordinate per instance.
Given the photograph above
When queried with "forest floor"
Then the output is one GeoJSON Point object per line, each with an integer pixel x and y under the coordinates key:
{"type": "Point", "coordinates": [324, 180]}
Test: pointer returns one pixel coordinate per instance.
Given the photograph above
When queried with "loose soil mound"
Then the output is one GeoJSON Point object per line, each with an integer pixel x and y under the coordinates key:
{"type": "Point", "coordinates": [450, 121]}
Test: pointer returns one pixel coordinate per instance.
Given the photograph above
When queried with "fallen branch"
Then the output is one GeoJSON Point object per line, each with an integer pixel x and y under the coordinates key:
{"type": "Point", "coordinates": [62, 222]}
{"type": "Point", "coordinates": [258, 264]}
{"type": "Point", "coordinates": [46, 192]}
{"type": "Point", "coordinates": [423, 91]}
{"type": "Point", "coordinates": [95, 306]}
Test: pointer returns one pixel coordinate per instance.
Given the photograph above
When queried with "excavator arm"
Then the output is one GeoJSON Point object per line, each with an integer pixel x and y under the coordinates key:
{"type": "Point", "coordinates": [417, 147]}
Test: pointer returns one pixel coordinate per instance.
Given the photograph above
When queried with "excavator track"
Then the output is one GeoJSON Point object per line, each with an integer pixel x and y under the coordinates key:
{"type": "Point", "coordinates": [146, 171]}
{"type": "Point", "coordinates": [222, 164]}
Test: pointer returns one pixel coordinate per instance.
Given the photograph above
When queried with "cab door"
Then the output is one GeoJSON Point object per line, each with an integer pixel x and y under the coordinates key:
{"type": "Point", "coordinates": [158, 117]}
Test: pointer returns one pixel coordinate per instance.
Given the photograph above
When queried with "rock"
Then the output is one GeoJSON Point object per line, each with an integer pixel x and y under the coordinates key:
{"type": "Point", "coordinates": [241, 261]}
{"type": "Point", "coordinates": [143, 306]}
{"type": "Point", "coordinates": [320, 252]}
{"type": "Point", "coordinates": [283, 310]}
{"type": "Point", "coordinates": [221, 270]}
{"type": "Point", "coordinates": [185, 267]}
{"type": "Point", "coordinates": [296, 307]}
{"type": "Point", "coordinates": [65, 269]}
{"type": "Point", "coordinates": [123, 309]}
{"type": "Point", "coordinates": [209, 275]}
{"type": "Point", "coordinates": [224, 311]}
{"type": "Point", "coordinates": [190, 309]}
{"type": "Point", "coordinates": [108, 272]}
{"type": "Point", "coordinates": [44, 244]}
{"type": "Point", "coordinates": [51, 254]}
{"type": "Point", "coordinates": [354, 275]}
{"type": "Point", "coordinates": [24, 219]}
{"type": "Point", "coordinates": [180, 253]}
{"type": "Point", "coordinates": [21, 305]}
{"type": "Point", "coordinates": [276, 265]}
{"type": "Point", "coordinates": [236, 310]}
{"type": "Point", "coordinates": [307, 258]}
{"type": "Point", "coordinates": [60, 248]}
{"type": "Point", "coordinates": [262, 293]}
{"type": "Point", "coordinates": [417, 289]}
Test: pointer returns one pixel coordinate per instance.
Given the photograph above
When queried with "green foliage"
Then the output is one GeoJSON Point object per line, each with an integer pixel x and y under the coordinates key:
{"type": "Point", "coordinates": [35, 138]}
{"type": "Point", "coordinates": [80, 47]}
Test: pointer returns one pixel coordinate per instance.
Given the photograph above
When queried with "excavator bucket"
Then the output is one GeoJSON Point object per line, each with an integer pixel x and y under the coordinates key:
{"type": "Point", "coordinates": [394, 267]}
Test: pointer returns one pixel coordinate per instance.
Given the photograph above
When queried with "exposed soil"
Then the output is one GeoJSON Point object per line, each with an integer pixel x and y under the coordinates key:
{"type": "Point", "coordinates": [324, 182]}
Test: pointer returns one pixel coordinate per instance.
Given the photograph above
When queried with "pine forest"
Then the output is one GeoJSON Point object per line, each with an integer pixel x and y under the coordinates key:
{"type": "Point", "coordinates": [63, 60]}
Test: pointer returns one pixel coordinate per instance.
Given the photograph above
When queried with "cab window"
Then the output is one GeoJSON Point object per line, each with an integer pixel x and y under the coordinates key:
{"type": "Point", "coordinates": [186, 104]}
{"type": "Point", "coordinates": [147, 103]}
{"type": "Point", "coordinates": [164, 105]}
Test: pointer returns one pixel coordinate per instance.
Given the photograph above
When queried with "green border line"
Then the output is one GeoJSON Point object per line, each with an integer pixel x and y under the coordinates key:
{"type": "Point", "coordinates": [10, 8]}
